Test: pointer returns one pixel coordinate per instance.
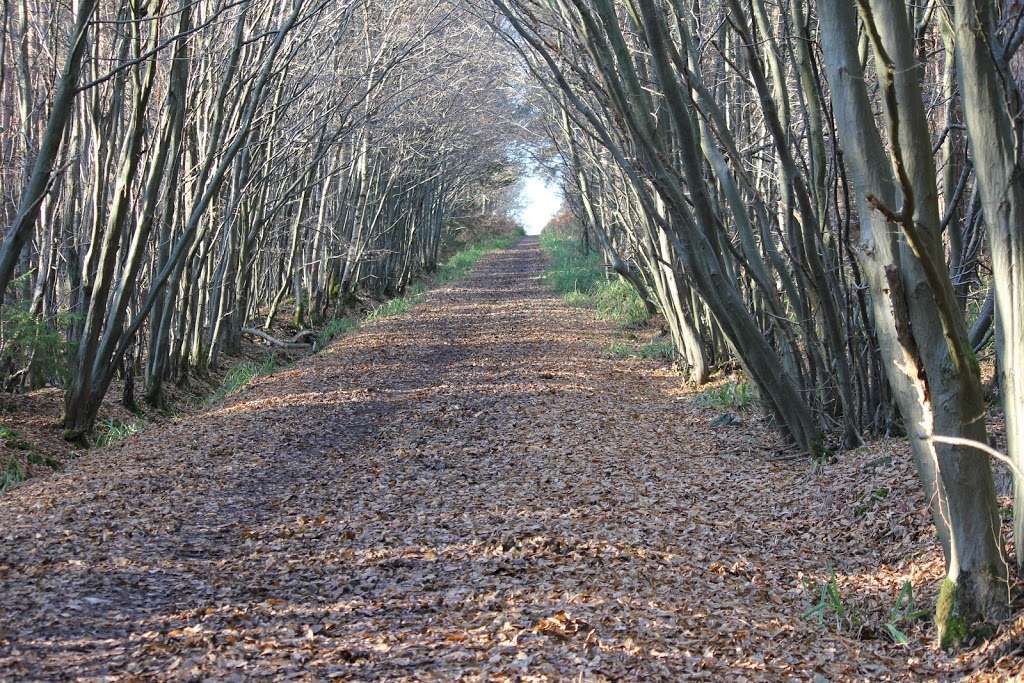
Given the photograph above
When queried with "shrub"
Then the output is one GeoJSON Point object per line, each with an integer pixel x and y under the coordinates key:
{"type": "Point", "coordinates": [29, 341]}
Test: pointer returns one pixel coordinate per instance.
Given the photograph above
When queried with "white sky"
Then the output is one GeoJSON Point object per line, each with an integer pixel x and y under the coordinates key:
{"type": "Point", "coordinates": [540, 200]}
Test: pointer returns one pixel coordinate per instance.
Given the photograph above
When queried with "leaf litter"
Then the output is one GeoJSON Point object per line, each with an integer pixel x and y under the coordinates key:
{"type": "Point", "coordinates": [472, 491]}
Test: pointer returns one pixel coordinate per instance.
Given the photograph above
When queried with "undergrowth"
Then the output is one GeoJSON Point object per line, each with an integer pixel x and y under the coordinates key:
{"type": "Point", "coordinates": [111, 431]}
{"type": "Point", "coordinates": [831, 610]}
{"type": "Point", "coordinates": [334, 328]}
{"type": "Point", "coordinates": [12, 440]}
{"type": "Point", "coordinates": [11, 474]}
{"type": "Point", "coordinates": [731, 396]}
{"type": "Point", "coordinates": [656, 349]}
{"type": "Point", "coordinates": [241, 375]}
{"type": "Point", "coordinates": [13, 471]}
{"type": "Point", "coordinates": [35, 344]}
{"type": "Point", "coordinates": [583, 281]}
{"type": "Point", "coordinates": [38, 459]}
{"type": "Point", "coordinates": [392, 307]}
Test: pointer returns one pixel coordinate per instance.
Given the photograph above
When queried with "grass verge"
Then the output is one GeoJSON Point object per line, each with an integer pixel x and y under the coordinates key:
{"type": "Point", "coordinates": [242, 374]}
{"type": "Point", "coordinates": [582, 280]}
{"type": "Point", "coordinates": [729, 396]}
{"type": "Point", "coordinates": [459, 264]}
{"type": "Point", "coordinates": [659, 348]}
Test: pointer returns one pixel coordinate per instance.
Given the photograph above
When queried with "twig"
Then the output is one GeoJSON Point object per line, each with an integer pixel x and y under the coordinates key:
{"type": "Point", "coordinates": [978, 445]}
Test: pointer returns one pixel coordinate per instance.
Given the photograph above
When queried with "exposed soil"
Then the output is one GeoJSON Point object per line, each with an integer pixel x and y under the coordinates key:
{"type": "Point", "coordinates": [470, 490]}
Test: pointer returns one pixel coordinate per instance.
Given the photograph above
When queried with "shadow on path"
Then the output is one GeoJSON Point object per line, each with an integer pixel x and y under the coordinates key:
{"type": "Point", "coordinates": [468, 490]}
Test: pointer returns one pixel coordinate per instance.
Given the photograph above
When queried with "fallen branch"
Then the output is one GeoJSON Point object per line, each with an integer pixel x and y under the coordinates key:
{"type": "Point", "coordinates": [274, 341]}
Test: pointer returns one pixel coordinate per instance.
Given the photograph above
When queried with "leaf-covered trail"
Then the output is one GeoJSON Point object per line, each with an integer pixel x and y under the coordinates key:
{"type": "Point", "coordinates": [470, 490]}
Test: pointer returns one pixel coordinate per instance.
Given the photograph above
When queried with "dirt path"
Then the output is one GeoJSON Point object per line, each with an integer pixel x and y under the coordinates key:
{"type": "Point", "coordinates": [468, 490]}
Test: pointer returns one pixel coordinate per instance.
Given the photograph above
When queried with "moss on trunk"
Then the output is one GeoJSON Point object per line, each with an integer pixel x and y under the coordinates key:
{"type": "Point", "coordinates": [951, 624]}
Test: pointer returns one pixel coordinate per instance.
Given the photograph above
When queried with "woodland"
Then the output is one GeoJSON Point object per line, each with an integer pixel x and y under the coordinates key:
{"type": "Point", "coordinates": [383, 435]}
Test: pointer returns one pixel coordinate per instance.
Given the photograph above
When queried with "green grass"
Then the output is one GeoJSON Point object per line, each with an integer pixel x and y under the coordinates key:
{"type": "Point", "coordinates": [620, 349]}
{"type": "Point", "coordinates": [578, 299]}
{"type": "Point", "coordinates": [416, 289]}
{"type": "Point", "coordinates": [582, 280]}
{"type": "Point", "coordinates": [13, 473]}
{"type": "Point", "coordinates": [241, 375]}
{"type": "Point", "coordinates": [335, 328]}
{"type": "Point", "coordinates": [455, 268]}
{"type": "Point", "coordinates": [461, 262]}
{"type": "Point", "coordinates": [392, 307]}
{"type": "Point", "coordinates": [616, 300]}
{"type": "Point", "coordinates": [734, 396]}
{"type": "Point", "coordinates": [111, 431]}
{"type": "Point", "coordinates": [338, 327]}
{"type": "Point", "coordinates": [830, 609]}
{"type": "Point", "coordinates": [12, 440]}
{"type": "Point", "coordinates": [571, 271]}
{"type": "Point", "coordinates": [657, 349]}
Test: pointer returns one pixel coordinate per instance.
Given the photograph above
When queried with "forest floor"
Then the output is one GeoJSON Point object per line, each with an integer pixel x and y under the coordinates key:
{"type": "Point", "coordinates": [472, 489]}
{"type": "Point", "coordinates": [32, 444]}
